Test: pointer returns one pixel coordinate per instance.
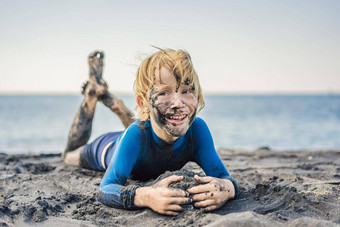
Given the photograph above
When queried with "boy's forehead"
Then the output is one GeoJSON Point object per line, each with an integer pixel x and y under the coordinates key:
{"type": "Point", "coordinates": [164, 76]}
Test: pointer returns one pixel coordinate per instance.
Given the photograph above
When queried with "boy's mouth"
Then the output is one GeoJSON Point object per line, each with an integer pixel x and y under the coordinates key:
{"type": "Point", "coordinates": [177, 119]}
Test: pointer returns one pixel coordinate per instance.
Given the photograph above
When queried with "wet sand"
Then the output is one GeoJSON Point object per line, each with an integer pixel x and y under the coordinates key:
{"type": "Point", "coordinates": [277, 189]}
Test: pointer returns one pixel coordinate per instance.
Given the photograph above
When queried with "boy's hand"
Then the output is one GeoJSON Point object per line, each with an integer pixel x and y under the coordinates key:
{"type": "Point", "coordinates": [212, 193]}
{"type": "Point", "coordinates": [162, 199]}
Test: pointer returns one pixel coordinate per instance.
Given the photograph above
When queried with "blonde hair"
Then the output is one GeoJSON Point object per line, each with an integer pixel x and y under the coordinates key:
{"type": "Point", "coordinates": [178, 62]}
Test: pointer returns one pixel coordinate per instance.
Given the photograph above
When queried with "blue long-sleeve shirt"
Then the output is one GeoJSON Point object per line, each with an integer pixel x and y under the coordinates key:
{"type": "Point", "coordinates": [141, 155]}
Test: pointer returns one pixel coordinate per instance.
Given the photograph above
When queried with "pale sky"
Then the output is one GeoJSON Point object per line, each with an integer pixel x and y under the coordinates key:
{"type": "Point", "coordinates": [236, 46]}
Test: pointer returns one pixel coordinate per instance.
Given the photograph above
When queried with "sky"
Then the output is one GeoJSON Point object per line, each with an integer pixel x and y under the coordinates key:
{"type": "Point", "coordinates": [236, 46]}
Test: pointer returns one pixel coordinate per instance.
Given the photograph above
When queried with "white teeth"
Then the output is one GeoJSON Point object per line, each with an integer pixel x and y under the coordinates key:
{"type": "Point", "coordinates": [177, 117]}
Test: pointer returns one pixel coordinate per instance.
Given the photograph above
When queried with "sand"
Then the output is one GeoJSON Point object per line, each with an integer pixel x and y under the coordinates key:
{"type": "Point", "coordinates": [277, 189]}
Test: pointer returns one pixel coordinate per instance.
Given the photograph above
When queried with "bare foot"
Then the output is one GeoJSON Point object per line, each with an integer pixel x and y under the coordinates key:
{"type": "Point", "coordinates": [96, 63]}
{"type": "Point", "coordinates": [97, 87]}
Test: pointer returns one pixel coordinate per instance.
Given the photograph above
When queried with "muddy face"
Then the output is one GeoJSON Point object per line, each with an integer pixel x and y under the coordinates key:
{"type": "Point", "coordinates": [172, 106]}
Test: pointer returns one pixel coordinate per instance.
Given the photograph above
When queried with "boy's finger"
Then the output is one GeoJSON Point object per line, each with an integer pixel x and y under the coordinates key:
{"type": "Point", "coordinates": [171, 213]}
{"type": "Point", "coordinates": [167, 181]}
{"type": "Point", "coordinates": [202, 196]}
{"type": "Point", "coordinates": [205, 203]}
{"type": "Point", "coordinates": [203, 180]}
{"type": "Point", "coordinates": [210, 208]}
{"type": "Point", "coordinates": [180, 201]}
{"type": "Point", "coordinates": [200, 189]}
{"type": "Point", "coordinates": [177, 193]}
{"type": "Point", "coordinates": [174, 208]}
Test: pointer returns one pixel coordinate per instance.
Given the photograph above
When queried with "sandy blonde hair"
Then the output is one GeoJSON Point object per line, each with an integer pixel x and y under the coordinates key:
{"type": "Point", "coordinates": [176, 61]}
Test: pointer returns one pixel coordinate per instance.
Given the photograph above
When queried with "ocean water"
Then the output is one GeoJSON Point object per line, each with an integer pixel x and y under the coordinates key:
{"type": "Point", "coordinates": [40, 123]}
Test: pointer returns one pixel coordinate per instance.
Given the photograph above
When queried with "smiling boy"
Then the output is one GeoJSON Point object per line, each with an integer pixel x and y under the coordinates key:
{"type": "Point", "coordinates": [166, 136]}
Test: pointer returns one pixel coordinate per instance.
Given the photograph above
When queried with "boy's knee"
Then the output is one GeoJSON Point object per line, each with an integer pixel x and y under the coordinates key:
{"type": "Point", "coordinates": [72, 158]}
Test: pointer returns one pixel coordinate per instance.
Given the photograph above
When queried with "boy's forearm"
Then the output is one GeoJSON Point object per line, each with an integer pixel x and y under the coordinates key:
{"type": "Point", "coordinates": [118, 196]}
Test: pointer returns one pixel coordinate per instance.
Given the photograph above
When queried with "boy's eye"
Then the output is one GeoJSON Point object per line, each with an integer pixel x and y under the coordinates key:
{"type": "Point", "coordinates": [162, 93]}
{"type": "Point", "coordinates": [186, 92]}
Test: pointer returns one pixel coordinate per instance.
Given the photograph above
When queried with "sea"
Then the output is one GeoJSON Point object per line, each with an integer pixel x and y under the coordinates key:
{"type": "Point", "coordinates": [40, 123]}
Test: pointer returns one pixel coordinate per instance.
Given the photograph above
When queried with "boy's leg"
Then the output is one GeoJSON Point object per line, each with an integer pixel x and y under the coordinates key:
{"type": "Point", "coordinates": [82, 125]}
{"type": "Point", "coordinates": [108, 99]}
{"type": "Point", "coordinates": [94, 90]}
{"type": "Point", "coordinates": [118, 107]}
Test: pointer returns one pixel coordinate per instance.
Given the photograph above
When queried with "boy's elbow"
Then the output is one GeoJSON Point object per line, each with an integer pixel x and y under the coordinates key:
{"type": "Point", "coordinates": [101, 197]}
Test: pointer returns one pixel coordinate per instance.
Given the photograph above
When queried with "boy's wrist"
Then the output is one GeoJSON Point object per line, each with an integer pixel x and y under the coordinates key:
{"type": "Point", "coordinates": [141, 197]}
{"type": "Point", "coordinates": [231, 187]}
{"type": "Point", "coordinates": [235, 184]}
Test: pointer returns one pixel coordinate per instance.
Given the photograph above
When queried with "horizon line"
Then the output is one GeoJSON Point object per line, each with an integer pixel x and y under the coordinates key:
{"type": "Point", "coordinates": [204, 93]}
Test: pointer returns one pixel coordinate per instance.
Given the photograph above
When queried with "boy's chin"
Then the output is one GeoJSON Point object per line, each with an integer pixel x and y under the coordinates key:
{"type": "Point", "coordinates": [177, 131]}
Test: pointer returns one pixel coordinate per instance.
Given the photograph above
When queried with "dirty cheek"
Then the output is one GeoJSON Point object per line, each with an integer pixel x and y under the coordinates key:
{"type": "Point", "coordinates": [152, 96]}
{"type": "Point", "coordinates": [156, 108]}
{"type": "Point", "coordinates": [192, 104]}
{"type": "Point", "coordinates": [158, 112]}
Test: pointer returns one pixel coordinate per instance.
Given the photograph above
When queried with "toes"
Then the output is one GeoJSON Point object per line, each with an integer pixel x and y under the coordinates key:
{"type": "Point", "coordinates": [97, 54]}
{"type": "Point", "coordinates": [93, 54]}
{"type": "Point", "coordinates": [100, 55]}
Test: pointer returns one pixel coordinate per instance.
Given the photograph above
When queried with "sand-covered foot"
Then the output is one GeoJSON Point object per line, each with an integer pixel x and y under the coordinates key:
{"type": "Point", "coordinates": [96, 64]}
{"type": "Point", "coordinates": [99, 89]}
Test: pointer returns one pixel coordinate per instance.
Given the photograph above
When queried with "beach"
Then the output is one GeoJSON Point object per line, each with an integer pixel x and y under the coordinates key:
{"type": "Point", "coordinates": [292, 188]}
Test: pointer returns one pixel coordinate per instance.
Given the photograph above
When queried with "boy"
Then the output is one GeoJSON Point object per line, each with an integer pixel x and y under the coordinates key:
{"type": "Point", "coordinates": [166, 136]}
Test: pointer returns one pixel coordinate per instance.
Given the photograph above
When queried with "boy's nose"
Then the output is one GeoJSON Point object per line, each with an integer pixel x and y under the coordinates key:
{"type": "Point", "coordinates": [177, 102]}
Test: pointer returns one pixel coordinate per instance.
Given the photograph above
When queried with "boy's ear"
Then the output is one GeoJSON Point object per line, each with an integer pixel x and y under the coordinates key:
{"type": "Point", "coordinates": [141, 104]}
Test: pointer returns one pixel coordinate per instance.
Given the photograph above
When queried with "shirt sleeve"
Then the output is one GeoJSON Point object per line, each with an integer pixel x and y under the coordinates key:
{"type": "Point", "coordinates": [206, 156]}
{"type": "Point", "coordinates": [112, 191]}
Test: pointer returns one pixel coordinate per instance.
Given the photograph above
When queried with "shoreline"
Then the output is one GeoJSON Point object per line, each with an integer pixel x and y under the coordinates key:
{"type": "Point", "coordinates": [277, 188]}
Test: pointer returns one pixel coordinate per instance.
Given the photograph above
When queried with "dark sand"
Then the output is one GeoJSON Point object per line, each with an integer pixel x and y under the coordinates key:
{"type": "Point", "coordinates": [277, 189]}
